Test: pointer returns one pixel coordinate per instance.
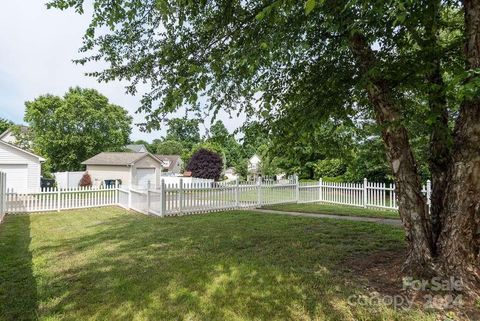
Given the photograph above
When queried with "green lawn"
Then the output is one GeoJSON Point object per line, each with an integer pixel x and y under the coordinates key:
{"type": "Point", "coordinates": [334, 209]}
{"type": "Point", "coordinates": [109, 264]}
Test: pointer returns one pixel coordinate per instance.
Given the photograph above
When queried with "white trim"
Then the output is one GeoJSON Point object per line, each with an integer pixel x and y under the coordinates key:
{"type": "Point", "coordinates": [41, 159]}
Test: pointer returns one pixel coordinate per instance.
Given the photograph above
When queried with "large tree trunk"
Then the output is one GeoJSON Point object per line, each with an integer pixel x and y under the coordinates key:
{"type": "Point", "coordinates": [440, 133]}
{"type": "Point", "coordinates": [459, 242]}
{"type": "Point", "coordinates": [448, 241]}
{"type": "Point", "coordinates": [439, 156]}
{"type": "Point", "coordinates": [412, 205]}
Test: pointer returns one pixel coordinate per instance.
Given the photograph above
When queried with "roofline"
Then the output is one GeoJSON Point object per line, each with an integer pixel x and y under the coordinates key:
{"type": "Point", "coordinates": [148, 154]}
{"type": "Point", "coordinates": [41, 159]}
{"type": "Point", "coordinates": [128, 164]}
{"type": "Point", "coordinates": [5, 133]}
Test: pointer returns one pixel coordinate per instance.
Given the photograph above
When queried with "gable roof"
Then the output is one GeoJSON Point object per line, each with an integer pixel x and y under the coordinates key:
{"type": "Point", "coordinates": [137, 148]}
{"type": "Point", "coordinates": [171, 158]}
{"type": "Point", "coordinates": [117, 158]}
{"type": "Point", "coordinates": [23, 129]}
{"type": "Point", "coordinates": [41, 159]}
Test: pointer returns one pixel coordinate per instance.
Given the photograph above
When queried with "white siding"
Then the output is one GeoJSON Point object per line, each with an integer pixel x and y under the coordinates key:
{"type": "Point", "coordinates": [9, 137]}
{"type": "Point", "coordinates": [10, 155]}
{"type": "Point", "coordinates": [148, 162]}
{"type": "Point", "coordinates": [99, 173]}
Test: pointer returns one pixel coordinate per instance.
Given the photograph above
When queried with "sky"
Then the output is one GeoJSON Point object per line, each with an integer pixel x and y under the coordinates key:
{"type": "Point", "coordinates": [36, 51]}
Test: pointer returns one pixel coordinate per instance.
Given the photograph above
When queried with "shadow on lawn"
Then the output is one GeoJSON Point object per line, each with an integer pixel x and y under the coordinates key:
{"type": "Point", "coordinates": [18, 288]}
{"type": "Point", "coordinates": [205, 268]}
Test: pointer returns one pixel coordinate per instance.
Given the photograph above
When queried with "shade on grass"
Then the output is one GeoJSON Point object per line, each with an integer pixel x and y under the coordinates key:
{"type": "Point", "coordinates": [109, 264]}
{"type": "Point", "coordinates": [323, 208]}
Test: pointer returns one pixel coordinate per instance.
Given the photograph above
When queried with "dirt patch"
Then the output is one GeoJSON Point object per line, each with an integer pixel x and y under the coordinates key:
{"type": "Point", "coordinates": [380, 274]}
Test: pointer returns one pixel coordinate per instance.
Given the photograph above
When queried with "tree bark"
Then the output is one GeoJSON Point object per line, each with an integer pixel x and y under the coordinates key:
{"type": "Point", "coordinates": [439, 157]}
{"type": "Point", "coordinates": [459, 242]}
{"type": "Point", "coordinates": [440, 134]}
{"type": "Point", "coordinates": [412, 204]}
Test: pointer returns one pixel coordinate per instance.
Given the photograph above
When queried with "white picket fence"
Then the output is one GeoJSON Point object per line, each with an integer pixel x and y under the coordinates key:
{"type": "Point", "coordinates": [366, 194]}
{"type": "Point", "coordinates": [53, 199]}
{"type": "Point", "coordinates": [202, 197]}
{"type": "Point", "coordinates": [3, 195]}
{"type": "Point", "coordinates": [189, 198]}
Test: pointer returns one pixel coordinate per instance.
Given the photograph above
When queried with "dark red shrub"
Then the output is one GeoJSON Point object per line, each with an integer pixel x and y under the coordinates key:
{"type": "Point", "coordinates": [205, 164]}
{"type": "Point", "coordinates": [86, 180]}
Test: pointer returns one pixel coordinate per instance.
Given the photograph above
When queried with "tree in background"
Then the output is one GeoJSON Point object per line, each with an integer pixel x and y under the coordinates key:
{"type": "Point", "coordinates": [205, 163]}
{"type": "Point", "coordinates": [220, 136]}
{"type": "Point", "coordinates": [213, 147]}
{"type": "Point", "coordinates": [70, 129]}
{"type": "Point", "coordinates": [309, 61]}
{"type": "Point", "coordinates": [4, 125]}
{"type": "Point", "coordinates": [168, 147]}
{"type": "Point", "coordinates": [254, 135]}
{"type": "Point", "coordinates": [184, 130]}
{"type": "Point", "coordinates": [147, 145]}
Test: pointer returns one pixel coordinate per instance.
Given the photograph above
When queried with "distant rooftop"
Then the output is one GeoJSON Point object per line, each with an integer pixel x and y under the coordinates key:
{"type": "Point", "coordinates": [136, 148]}
{"type": "Point", "coordinates": [115, 158]}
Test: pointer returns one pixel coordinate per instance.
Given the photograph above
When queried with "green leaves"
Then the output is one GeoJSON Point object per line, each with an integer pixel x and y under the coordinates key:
{"type": "Point", "coordinates": [68, 130]}
{"type": "Point", "coordinates": [309, 6]}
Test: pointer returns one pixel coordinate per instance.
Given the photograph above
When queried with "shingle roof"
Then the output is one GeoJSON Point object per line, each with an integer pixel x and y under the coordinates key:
{"type": "Point", "coordinates": [172, 158]}
{"type": "Point", "coordinates": [120, 158]}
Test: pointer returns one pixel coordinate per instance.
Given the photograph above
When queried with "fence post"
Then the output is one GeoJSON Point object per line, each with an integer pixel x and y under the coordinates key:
{"type": "Point", "coordinates": [320, 190]}
{"type": "Point", "coordinates": [237, 192]}
{"type": "Point", "coordinates": [148, 197]}
{"type": "Point", "coordinates": [129, 197]}
{"type": "Point", "coordinates": [59, 200]}
{"type": "Point", "coordinates": [259, 191]}
{"type": "Point", "coordinates": [181, 195]}
{"type": "Point", "coordinates": [365, 198]}
{"type": "Point", "coordinates": [163, 198]}
{"type": "Point", "coordinates": [297, 188]}
{"type": "Point", "coordinates": [116, 198]}
{"type": "Point", "coordinates": [429, 194]}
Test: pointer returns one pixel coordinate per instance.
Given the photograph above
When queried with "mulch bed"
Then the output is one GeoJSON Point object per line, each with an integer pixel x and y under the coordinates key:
{"type": "Point", "coordinates": [381, 273]}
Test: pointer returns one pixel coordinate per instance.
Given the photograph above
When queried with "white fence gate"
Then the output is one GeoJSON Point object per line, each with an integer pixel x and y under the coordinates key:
{"type": "Point", "coordinates": [201, 197]}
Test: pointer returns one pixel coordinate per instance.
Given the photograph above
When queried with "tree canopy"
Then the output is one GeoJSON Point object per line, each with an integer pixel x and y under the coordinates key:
{"type": "Point", "coordinates": [4, 125]}
{"type": "Point", "coordinates": [184, 130]}
{"type": "Point", "coordinates": [411, 67]}
{"type": "Point", "coordinates": [70, 129]}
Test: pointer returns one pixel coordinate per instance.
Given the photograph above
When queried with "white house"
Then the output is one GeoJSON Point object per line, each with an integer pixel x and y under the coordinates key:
{"type": "Point", "coordinates": [254, 166]}
{"type": "Point", "coordinates": [231, 174]}
{"type": "Point", "coordinates": [171, 163]}
{"type": "Point", "coordinates": [10, 137]}
{"type": "Point", "coordinates": [131, 169]}
{"type": "Point", "coordinates": [22, 167]}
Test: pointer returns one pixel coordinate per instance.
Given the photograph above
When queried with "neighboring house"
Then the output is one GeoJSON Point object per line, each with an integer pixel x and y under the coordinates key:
{"type": "Point", "coordinates": [171, 163]}
{"type": "Point", "coordinates": [9, 135]}
{"type": "Point", "coordinates": [254, 166]}
{"type": "Point", "coordinates": [231, 174]}
{"type": "Point", "coordinates": [22, 167]}
{"type": "Point", "coordinates": [139, 148]}
{"type": "Point", "coordinates": [132, 169]}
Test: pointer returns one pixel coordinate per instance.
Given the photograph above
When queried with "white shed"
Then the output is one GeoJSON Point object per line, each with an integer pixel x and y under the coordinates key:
{"type": "Point", "coordinates": [22, 167]}
{"type": "Point", "coordinates": [132, 169]}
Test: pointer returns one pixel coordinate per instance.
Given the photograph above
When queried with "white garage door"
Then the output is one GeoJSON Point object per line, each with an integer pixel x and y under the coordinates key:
{"type": "Point", "coordinates": [17, 177]}
{"type": "Point", "coordinates": [145, 175]}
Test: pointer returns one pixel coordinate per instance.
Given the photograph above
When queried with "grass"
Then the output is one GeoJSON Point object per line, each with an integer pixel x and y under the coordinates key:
{"type": "Point", "coordinates": [335, 209]}
{"type": "Point", "coordinates": [109, 264]}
